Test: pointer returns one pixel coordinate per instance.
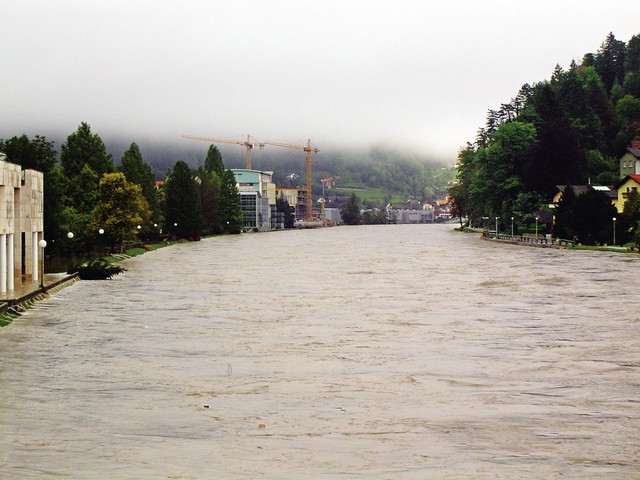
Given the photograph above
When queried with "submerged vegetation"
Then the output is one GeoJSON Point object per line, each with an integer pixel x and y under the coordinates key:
{"type": "Point", "coordinates": [99, 269]}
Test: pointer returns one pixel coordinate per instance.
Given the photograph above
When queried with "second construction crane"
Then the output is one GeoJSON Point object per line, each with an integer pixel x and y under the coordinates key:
{"type": "Point", "coordinates": [309, 150]}
{"type": "Point", "coordinates": [248, 144]}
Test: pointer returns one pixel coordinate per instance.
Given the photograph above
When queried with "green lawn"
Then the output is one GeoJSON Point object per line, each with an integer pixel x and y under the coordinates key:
{"type": "Point", "coordinates": [376, 195]}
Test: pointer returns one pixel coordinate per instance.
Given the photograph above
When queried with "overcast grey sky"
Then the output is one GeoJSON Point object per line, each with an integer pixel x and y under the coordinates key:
{"type": "Point", "coordinates": [412, 73]}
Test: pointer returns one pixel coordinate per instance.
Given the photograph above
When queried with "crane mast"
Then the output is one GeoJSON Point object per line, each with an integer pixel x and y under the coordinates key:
{"type": "Point", "coordinates": [248, 144]}
{"type": "Point", "coordinates": [309, 150]}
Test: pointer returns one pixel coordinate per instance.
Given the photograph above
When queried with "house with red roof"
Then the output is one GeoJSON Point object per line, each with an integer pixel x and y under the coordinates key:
{"type": "Point", "coordinates": [625, 186]}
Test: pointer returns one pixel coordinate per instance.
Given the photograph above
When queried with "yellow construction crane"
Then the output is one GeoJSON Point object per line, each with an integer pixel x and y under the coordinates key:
{"type": "Point", "coordinates": [328, 182]}
{"type": "Point", "coordinates": [309, 149]}
{"type": "Point", "coordinates": [249, 144]}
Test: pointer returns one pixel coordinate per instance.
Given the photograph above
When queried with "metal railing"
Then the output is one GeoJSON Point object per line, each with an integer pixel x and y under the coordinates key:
{"type": "Point", "coordinates": [540, 240]}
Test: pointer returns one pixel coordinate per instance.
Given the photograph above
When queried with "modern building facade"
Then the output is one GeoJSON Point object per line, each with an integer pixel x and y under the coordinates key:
{"type": "Point", "coordinates": [21, 225]}
{"type": "Point", "coordinates": [257, 198]}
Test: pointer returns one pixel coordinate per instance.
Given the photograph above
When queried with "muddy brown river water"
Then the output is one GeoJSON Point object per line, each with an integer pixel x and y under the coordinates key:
{"type": "Point", "coordinates": [373, 352]}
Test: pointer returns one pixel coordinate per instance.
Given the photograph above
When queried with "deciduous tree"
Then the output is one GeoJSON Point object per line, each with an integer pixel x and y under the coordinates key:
{"type": "Point", "coordinates": [121, 208]}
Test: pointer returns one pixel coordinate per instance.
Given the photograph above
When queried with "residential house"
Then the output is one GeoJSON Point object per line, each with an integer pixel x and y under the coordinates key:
{"type": "Point", "coordinates": [580, 189]}
{"type": "Point", "coordinates": [630, 161]}
{"type": "Point", "coordinates": [624, 187]}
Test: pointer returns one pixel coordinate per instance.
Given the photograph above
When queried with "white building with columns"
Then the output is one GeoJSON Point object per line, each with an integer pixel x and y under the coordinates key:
{"type": "Point", "coordinates": [21, 226]}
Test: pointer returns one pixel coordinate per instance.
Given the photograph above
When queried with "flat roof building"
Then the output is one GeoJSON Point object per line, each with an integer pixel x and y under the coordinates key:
{"type": "Point", "coordinates": [257, 198]}
{"type": "Point", "coordinates": [21, 225]}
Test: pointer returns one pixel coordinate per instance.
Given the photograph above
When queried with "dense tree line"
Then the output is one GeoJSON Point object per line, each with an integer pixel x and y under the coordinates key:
{"type": "Point", "coordinates": [108, 205]}
{"type": "Point", "coordinates": [568, 130]}
{"type": "Point", "coordinates": [391, 170]}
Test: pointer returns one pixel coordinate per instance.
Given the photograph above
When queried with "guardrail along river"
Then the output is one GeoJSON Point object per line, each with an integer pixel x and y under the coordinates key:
{"type": "Point", "coordinates": [404, 352]}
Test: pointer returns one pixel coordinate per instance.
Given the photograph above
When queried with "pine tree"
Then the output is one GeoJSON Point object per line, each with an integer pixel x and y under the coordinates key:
{"type": "Point", "coordinates": [609, 61]}
{"type": "Point", "coordinates": [84, 147]}
{"type": "Point", "coordinates": [632, 58]}
{"type": "Point", "coordinates": [208, 183]}
{"type": "Point", "coordinates": [138, 172]}
{"type": "Point", "coordinates": [84, 160]}
{"type": "Point", "coordinates": [231, 210]}
{"type": "Point", "coordinates": [351, 211]}
{"type": "Point", "coordinates": [183, 213]}
{"type": "Point", "coordinates": [213, 161]}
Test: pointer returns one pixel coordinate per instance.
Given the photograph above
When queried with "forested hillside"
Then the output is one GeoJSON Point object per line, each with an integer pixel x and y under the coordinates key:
{"type": "Point", "coordinates": [392, 172]}
{"type": "Point", "coordinates": [569, 129]}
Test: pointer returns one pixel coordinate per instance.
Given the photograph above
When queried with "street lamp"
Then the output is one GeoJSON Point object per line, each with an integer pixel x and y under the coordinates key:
{"type": "Point", "coordinates": [101, 231]}
{"type": "Point", "coordinates": [42, 243]}
{"type": "Point", "coordinates": [614, 230]}
{"type": "Point", "coordinates": [497, 218]}
{"type": "Point", "coordinates": [71, 255]}
{"type": "Point", "coordinates": [536, 227]}
{"type": "Point", "coordinates": [512, 226]}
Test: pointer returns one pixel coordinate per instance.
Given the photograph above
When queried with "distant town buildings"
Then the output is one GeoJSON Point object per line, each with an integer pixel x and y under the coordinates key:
{"type": "Point", "coordinates": [296, 198]}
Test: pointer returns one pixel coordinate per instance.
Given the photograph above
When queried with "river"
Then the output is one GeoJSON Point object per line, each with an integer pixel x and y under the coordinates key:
{"type": "Point", "coordinates": [377, 352]}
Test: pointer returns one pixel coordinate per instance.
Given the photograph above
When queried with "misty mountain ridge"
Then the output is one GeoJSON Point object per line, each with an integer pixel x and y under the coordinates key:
{"type": "Point", "coordinates": [390, 170]}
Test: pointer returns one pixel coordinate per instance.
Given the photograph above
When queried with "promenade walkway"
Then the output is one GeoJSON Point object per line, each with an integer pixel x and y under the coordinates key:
{"type": "Point", "coordinates": [528, 240]}
{"type": "Point", "coordinates": [29, 290]}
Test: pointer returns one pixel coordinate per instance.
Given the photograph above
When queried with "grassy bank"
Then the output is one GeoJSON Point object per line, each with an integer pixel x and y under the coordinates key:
{"type": "Point", "coordinates": [139, 250]}
{"type": "Point", "coordinates": [600, 248]}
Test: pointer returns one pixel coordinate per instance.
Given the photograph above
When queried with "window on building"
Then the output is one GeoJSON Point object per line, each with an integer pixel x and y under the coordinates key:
{"type": "Point", "coordinates": [249, 210]}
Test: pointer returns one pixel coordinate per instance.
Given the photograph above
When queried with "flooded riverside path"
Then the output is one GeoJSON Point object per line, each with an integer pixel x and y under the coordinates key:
{"type": "Point", "coordinates": [384, 352]}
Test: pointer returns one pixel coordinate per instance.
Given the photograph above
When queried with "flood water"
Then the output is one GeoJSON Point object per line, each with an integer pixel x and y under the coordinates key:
{"type": "Point", "coordinates": [377, 352]}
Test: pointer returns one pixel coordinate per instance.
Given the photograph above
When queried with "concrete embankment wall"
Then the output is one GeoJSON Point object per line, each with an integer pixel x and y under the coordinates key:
{"type": "Point", "coordinates": [541, 242]}
{"type": "Point", "coordinates": [39, 293]}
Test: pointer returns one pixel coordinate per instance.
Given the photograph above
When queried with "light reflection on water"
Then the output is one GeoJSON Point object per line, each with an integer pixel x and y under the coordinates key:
{"type": "Point", "coordinates": [404, 351]}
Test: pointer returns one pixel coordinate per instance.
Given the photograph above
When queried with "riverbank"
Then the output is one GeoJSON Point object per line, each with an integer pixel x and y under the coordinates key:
{"type": "Point", "coordinates": [13, 303]}
{"type": "Point", "coordinates": [544, 242]}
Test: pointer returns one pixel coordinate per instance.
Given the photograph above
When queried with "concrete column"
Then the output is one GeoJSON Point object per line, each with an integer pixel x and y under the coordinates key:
{"type": "Point", "coordinates": [10, 262]}
{"type": "Point", "coordinates": [34, 255]}
{"type": "Point", "coordinates": [3, 263]}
